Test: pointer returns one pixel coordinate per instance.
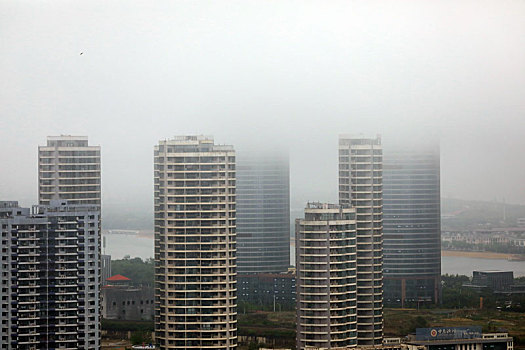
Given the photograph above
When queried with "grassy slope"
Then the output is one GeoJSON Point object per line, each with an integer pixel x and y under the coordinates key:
{"type": "Point", "coordinates": [398, 322]}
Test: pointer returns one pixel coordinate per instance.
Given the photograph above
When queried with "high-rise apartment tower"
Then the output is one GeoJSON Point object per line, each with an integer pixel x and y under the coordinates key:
{"type": "Point", "coordinates": [412, 225]}
{"type": "Point", "coordinates": [263, 213]}
{"type": "Point", "coordinates": [50, 263]}
{"type": "Point", "coordinates": [195, 263]}
{"type": "Point", "coordinates": [326, 277]}
{"type": "Point", "coordinates": [361, 187]}
{"type": "Point", "coordinates": [68, 168]}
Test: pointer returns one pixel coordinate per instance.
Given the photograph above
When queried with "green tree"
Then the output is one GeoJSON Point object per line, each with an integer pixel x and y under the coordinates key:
{"type": "Point", "coordinates": [140, 337]}
{"type": "Point", "coordinates": [139, 271]}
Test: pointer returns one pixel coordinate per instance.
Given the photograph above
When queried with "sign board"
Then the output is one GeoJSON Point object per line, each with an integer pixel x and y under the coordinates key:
{"type": "Point", "coordinates": [447, 333]}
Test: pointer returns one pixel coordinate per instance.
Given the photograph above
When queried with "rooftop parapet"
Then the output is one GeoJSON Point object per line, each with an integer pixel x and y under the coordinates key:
{"type": "Point", "coordinates": [9, 204]}
{"type": "Point", "coordinates": [191, 144]}
{"type": "Point", "coordinates": [346, 139]}
{"type": "Point", "coordinates": [67, 141]}
{"type": "Point", "coordinates": [320, 205]}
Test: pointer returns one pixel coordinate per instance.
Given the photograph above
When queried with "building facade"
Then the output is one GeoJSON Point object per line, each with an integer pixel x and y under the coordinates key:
{"type": "Point", "coordinates": [326, 277]}
{"type": "Point", "coordinates": [50, 281]}
{"type": "Point", "coordinates": [412, 225]}
{"type": "Point", "coordinates": [68, 168]}
{"type": "Point", "coordinates": [122, 301]}
{"type": "Point", "coordinates": [263, 213]}
{"type": "Point", "coordinates": [195, 244]}
{"type": "Point", "coordinates": [495, 281]}
{"type": "Point", "coordinates": [268, 291]}
{"type": "Point", "coordinates": [361, 187]}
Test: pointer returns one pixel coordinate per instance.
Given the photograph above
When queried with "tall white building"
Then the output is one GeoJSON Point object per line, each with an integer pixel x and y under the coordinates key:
{"type": "Point", "coordinates": [68, 168]}
{"type": "Point", "coordinates": [361, 187]}
{"type": "Point", "coordinates": [195, 244]}
{"type": "Point", "coordinates": [326, 277]}
{"type": "Point", "coordinates": [50, 282]}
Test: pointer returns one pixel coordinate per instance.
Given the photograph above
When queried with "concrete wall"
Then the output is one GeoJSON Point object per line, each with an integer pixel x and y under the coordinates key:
{"type": "Point", "coordinates": [127, 303]}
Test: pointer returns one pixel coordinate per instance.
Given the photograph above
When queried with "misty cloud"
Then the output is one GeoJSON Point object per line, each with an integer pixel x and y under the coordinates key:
{"type": "Point", "coordinates": [285, 74]}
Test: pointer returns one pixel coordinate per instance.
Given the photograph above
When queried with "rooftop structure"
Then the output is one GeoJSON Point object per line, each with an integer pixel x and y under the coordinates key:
{"type": "Point", "coordinates": [117, 278]}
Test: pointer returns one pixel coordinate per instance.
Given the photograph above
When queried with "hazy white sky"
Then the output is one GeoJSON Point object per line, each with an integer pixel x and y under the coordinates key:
{"type": "Point", "coordinates": [291, 74]}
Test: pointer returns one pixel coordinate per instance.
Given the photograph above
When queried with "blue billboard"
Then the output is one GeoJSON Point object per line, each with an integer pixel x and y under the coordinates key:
{"type": "Point", "coordinates": [448, 333]}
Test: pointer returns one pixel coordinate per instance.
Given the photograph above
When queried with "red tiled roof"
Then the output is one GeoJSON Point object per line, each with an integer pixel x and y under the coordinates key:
{"type": "Point", "coordinates": [118, 278]}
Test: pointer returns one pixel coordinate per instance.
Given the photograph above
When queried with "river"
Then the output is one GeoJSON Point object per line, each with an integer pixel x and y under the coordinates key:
{"type": "Point", "coordinates": [120, 245]}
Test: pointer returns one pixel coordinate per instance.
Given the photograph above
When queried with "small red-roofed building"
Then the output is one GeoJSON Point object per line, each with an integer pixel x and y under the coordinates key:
{"type": "Point", "coordinates": [118, 278]}
{"type": "Point", "coordinates": [122, 301]}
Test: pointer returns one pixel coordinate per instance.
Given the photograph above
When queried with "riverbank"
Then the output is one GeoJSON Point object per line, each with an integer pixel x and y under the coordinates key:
{"type": "Point", "coordinates": [483, 255]}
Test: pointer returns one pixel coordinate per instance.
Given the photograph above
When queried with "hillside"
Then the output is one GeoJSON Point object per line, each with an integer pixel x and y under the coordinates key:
{"type": "Point", "coordinates": [462, 214]}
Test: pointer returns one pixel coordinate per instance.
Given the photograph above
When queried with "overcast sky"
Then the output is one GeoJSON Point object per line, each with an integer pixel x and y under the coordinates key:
{"type": "Point", "coordinates": [291, 74]}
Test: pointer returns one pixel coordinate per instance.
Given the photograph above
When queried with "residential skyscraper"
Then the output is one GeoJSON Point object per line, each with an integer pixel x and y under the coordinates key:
{"type": "Point", "coordinates": [326, 277]}
{"type": "Point", "coordinates": [68, 168]}
{"type": "Point", "coordinates": [263, 213]}
{"type": "Point", "coordinates": [412, 225]}
{"type": "Point", "coordinates": [50, 283]}
{"type": "Point", "coordinates": [195, 263]}
{"type": "Point", "coordinates": [360, 186]}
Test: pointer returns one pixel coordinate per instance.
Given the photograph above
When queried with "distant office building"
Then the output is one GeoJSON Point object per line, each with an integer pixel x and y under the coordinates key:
{"type": "Point", "coordinates": [121, 301]}
{"type": "Point", "coordinates": [268, 290]}
{"type": "Point", "coordinates": [195, 244]}
{"type": "Point", "coordinates": [105, 268]}
{"type": "Point", "coordinates": [493, 280]}
{"type": "Point", "coordinates": [49, 295]}
{"type": "Point", "coordinates": [361, 187]}
{"type": "Point", "coordinates": [326, 277]}
{"type": "Point", "coordinates": [521, 222]}
{"type": "Point", "coordinates": [68, 168]}
{"type": "Point", "coordinates": [411, 225]}
{"type": "Point", "coordinates": [263, 213]}
{"type": "Point", "coordinates": [457, 338]}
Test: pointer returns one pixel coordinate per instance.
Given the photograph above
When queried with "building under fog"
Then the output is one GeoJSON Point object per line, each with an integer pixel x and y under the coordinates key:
{"type": "Point", "coordinates": [361, 187]}
{"type": "Point", "coordinates": [411, 225]}
{"type": "Point", "coordinates": [263, 213]}
{"type": "Point", "coordinates": [68, 168]}
{"type": "Point", "coordinates": [49, 290]}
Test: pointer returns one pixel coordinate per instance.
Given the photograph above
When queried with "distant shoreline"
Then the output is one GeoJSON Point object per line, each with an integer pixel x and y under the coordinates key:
{"type": "Point", "coordinates": [483, 255]}
{"type": "Point", "coordinates": [137, 233]}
